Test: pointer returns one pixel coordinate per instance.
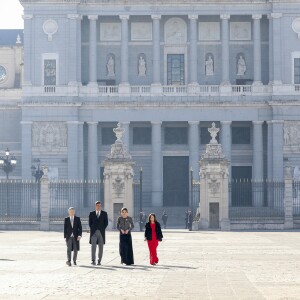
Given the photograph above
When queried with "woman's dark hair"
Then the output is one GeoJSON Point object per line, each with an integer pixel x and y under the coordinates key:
{"type": "Point", "coordinates": [152, 214]}
{"type": "Point", "coordinates": [124, 208]}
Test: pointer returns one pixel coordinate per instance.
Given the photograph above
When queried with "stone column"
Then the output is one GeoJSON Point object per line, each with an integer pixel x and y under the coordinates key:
{"type": "Point", "coordinates": [72, 49]}
{"type": "Point", "coordinates": [225, 49]}
{"type": "Point", "coordinates": [278, 149]}
{"type": "Point", "coordinates": [258, 166]}
{"type": "Point", "coordinates": [92, 150]}
{"type": "Point", "coordinates": [156, 164]}
{"type": "Point", "coordinates": [277, 61]}
{"type": "Point", "coordinates": [93, 50]}
{"type": "Point", "coordinates": [288, 198]}
{"type": "Point", "coordinates": [257, 150]}
{"type": "Point", "coordinates": [126, 134]}
{"type": "Point", "coordinates": [194, 144]}
{"type": "Point", "coordinates": [257, 49]}
{"type": "Point", "coordinates": [45, 201]}
{"type": "Point", "coordinates": [270, 150]}
{"type": "Point", "coordinates": [193, 49]}
{"type": "Point", "coordinates": [226, 142]}
{"type": "Point", "coordinates": [78, 59]}
{"type": "Point", "coordinates": [80, 152]}
{"type": "Point", "coordinates": [26, 149]}
{"type": "Point", "coordinates": [73, 149]}
{"type": "Point", "coordinates": [156, 84]}
{"type": "Point", "coordinates": [124, 85]}
{"type": "Point", "coordinates": [28, 49]}
{"type": "Point", "coordinates": [270, 49]}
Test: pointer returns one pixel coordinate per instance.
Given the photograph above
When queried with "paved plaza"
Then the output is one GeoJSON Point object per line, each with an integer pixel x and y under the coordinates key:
{"type": "Point", "coordinates": [193, 265]}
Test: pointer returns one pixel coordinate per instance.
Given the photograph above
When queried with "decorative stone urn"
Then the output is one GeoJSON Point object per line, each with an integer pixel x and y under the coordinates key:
{"type": "Point", "coordinates": [213, 186]}
{"type": "Point", "coordinates": [118, 179]}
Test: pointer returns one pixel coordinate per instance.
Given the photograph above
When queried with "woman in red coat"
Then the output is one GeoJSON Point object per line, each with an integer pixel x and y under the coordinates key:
{"type": "Point", "coordinates": [153, 235]}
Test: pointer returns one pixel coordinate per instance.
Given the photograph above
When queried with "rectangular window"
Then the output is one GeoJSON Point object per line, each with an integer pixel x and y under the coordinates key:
{"type": "Point", "coordinates": [176, 135]}
{"type": "Point", "coordinates": [50, 72]}
{"type": "Point", "coordinates": [141, 135]}
{"type": "Point", "coordinates": [241, 135]}
{"type": "Point", "coordinates": [296, 70]}
{"type": "Point", "coordinates": [107, 136]}
{"type": "Point", "coordinates": [205, 136]}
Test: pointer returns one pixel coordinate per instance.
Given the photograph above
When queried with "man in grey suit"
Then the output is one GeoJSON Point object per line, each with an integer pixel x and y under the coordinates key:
{"type": "Point", "coordinates": [98, 222]}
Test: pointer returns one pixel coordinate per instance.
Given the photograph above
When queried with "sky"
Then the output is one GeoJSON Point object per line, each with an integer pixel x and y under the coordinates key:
{"type": "Point", "coordinates": [11, 12]}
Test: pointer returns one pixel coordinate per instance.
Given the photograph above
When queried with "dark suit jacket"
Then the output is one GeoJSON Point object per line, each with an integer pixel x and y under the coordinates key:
{"type": "Point", "coordinates": [100, 223]}
{"type": "Point", "coordinates": [76, 230]}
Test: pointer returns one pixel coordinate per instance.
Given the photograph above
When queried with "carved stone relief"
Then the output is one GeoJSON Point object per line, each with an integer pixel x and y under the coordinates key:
{"type": "Point", "coordinates": [291, 134]}
{"type": "Point", "coordinates": [110, 32]}
{"type": "Point", "coordinates": [141, 31]}
{"type": "Point", "coordinates": [209, 31]}
{"type": "Point", "coordinates": [49, 136]}
{"type": "Point", "coordinates": [240, 31]}
{"type": "Point", "coordinates": [175, 31]}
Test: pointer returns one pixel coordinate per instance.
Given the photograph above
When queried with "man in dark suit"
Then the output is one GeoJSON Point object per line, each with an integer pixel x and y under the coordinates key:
{"type": "Point", "coordinates": [72, 235]}
{"type": "Point", "coordinates": [98, 222]}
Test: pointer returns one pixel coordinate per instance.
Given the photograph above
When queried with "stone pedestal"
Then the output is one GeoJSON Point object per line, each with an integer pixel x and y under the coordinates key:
{"type": "Point", "coordinates": [118, 180]}
{"type": "Point", "coordinates": [214, 186]}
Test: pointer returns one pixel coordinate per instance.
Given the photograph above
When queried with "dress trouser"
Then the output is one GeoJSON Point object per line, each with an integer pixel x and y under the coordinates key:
{"type": "Point", "coordinates": [97, 237]}
{"type": "Point", "coordinates": [71, 242]}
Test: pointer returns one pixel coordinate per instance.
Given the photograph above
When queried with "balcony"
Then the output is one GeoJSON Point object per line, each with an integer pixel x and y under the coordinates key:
{"type": "Point", "coordinates": [164, 90]}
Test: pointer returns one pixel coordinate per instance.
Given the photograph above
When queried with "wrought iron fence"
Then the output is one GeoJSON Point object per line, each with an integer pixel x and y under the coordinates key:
{"type": "Point", "coordinates": [296, 198]}
{"type": "Point", "coordinates": [81, 195]}
{"type": "Point", "coordinates": [256, 199]}
{"type": "Point", "coordinates": [195, 199]}
{"type": "Point", "coordinates": [19, 201]}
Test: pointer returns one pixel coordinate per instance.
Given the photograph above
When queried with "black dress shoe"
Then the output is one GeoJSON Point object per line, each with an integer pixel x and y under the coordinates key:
{"type": "Point", "coordinates": [68, 263]}
{"type": "Point", "coordinates": [74, 262]}
{"type": "Point", "coordinates": [93, 263]}
{"type": "Point", "coordinates": [99, 263]}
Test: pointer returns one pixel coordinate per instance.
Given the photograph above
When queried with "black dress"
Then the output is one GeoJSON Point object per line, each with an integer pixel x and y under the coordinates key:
{"type": "Point", "coordinates": [125, 245]}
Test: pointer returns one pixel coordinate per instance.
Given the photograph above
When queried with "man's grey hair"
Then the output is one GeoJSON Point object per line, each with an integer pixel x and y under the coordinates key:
{"type": "Point", "coordinates": [71, 208]}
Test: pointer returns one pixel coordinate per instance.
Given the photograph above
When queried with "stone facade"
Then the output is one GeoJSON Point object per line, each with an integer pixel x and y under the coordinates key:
{"type": "Point", "coordinates": [69, 84]}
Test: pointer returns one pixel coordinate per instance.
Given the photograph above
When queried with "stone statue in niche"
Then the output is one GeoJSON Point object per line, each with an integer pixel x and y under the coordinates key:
{"type": "Point", "coordinates": [241, 66]}
{"type": "Point", "coordinates": [209, 66]}
{"type": "Point", "coordinates": [142, 66]}
{"type": "Point", "coordinates": [110, 66]}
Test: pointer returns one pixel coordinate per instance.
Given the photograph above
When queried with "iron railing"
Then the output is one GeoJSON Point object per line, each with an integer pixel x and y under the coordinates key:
{"type": "Point", "coordinates": [195, 199]}
{"type": "Point", "coordinates": [296, 198]}
{"type": "Point", "coordinates": [256, 199]}
{"type": "Point", "coordinates": [19, 201]}
{"type": "Point", "coordinates": [81, 195]}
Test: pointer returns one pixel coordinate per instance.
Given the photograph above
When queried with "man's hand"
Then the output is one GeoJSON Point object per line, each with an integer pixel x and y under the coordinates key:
{"type": "Point", "coordinates": [78, 238]}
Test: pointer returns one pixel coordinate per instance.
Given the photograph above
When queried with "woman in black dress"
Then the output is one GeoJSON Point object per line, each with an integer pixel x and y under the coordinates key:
{"type": "Point", "coordinates": [125, 225]}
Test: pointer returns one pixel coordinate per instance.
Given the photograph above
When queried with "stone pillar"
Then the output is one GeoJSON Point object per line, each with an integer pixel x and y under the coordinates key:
{"type": "Point", "coordinates": [277, 59]}
{"type": "Point", "coordinates": [28, 49]}
{"type": "Point", "coordinates": [78, 58]}
{"type": "Point", "coordinates": [194, 145]}
{"type": "Point", "coordinates": [258, 169]}
{"type": "Point", "coordinates": [93, 50]}
{"type": "Point", "coordinates": [257, 49]}
{"type": "Point", "coordinates": [193, 49]}
{"type": "Point", "coordinates": [278, 149]}
{"type": "Point", "coordinates": [26, 149]}
{"type": "Point", "coordinates": [92, 150]}
{"type": "Point", "coordinates": [80, 152]}
{"type": "Point", "coordinates": [258, 165]}
{"type": "Point", "coordinates": [73, 149]}
{"type": "Point", "coordinates": [156, 164]}
{"type": "Point", "coordinates": [45, 201]}
{"type": "Point", "coordinates": [270, 49]}
{"type": "Point", "coordinates": [126, 134]}
{"type": "Point", "coordinates": [124, 87]}
{"type": "Point", "coordinates": [270, 150]}
{"type": "Point", "coordinates": [225, 49]}
{"type": "Point", "coordinates": [72, 49]}
{"type": "Point", "coordinates": [226, 142]}
{"type": "Point", "coordinates": [156, 84]}
{"type": "Point", "coordinates": [288, 198]}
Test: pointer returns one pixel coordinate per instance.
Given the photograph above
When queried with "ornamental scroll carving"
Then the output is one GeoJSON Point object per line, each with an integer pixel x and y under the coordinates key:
{"type": "Point", "coordinates": [49, 136]}
{"type": "Point", "coordinates": [118, 186]}
{"type": "Point", "coordinates": [291, 134]}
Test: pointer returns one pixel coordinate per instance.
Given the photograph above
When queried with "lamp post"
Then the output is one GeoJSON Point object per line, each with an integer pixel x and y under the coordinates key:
{"type": "Point", "coordinates": [7, 164]}
{"type": "Point", "coordinates": [37, 173]}
{"type": "Point", "coordinates": [141, 189]}
{"type": "Point", "coordinates": [191, 200]}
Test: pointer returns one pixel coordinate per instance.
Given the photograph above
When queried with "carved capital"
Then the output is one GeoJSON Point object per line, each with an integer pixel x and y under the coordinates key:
{"type": "Point", "coordinates": [225, 16]}
{"type": "Point", "coordinates": [256, 17]}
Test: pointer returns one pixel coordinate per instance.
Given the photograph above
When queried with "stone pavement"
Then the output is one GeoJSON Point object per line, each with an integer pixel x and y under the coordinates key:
{"type": "Point", "coordinates": [193, 265]}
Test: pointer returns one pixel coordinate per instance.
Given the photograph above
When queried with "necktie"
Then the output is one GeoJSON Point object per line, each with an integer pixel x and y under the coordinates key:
{"type": "Point", "coordinates": [72, 222]}
{"type": "Point", "coordinates": [97, 214]}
